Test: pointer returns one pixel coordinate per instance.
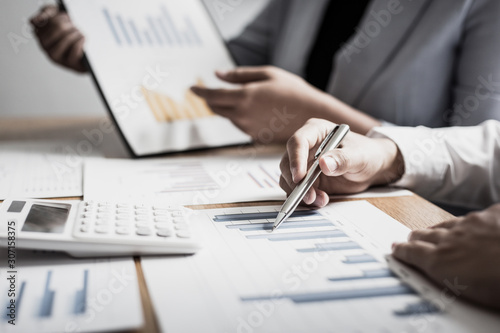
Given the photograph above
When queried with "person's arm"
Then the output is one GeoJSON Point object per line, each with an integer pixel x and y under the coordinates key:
{"type": "Point", "coordinates": [476, 83]}
{"type": "Point", "coordinates": [458, 165]}
{"type": "Point", "coordinates": [252, 47]}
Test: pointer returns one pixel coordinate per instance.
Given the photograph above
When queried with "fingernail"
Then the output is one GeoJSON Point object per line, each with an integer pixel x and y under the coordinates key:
{"type": "Point", "coordinates": [294, 175]}
{"type": "Point", "coordinates": [394, 245]}
{"type": "Point", "coordinates": [331, 164]}
{"type": "Point", "coordinates": [222, 72]}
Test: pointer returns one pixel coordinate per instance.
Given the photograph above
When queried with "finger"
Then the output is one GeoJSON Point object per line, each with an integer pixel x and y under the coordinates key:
{"type": "Point", "coordinates": [226, 112]}
{"type": "Point", "coordinates": [322, 198]}
{"type": "Point", "coordinates": [415, 253]}
{"type": "Point", "coordinates": [46, 13]}
{"type": "Point", "coordinates": [58, 51]}
{"type": "Point", "coordinates": [220, 97]}
{"type": "Point", "coordinates": [75, 55]}
{"type": "Point", "coordinates": [310, 196]}
{"type": "Point", "coordinates": [285, 170]}
{"type": "Point", "coordinates": [55, 31]}
{"type": "Point", "coordinates": [341, 161]}
{"type": "Point", "coordinates": [284, 185]}
{"type": "Point", "coordinates": [447, 224]}
{"type": "Point", "coordinates": [433, 236]}
{"type": "Point", "coordinates": [244, 74]}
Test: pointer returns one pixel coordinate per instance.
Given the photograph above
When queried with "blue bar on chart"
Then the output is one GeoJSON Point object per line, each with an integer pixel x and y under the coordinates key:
{"type": "Point", "coordinates": [359, 259]}
{"type": "Point", "coordinates": [262, 216]}
{"type": "Point", "coordinates": [159, 30]}
{"type": "Point", "coordinates": [81, 296]}
{"type": "Point", "coordinates": [292, 236]}
{"type": "Point", "coordinates": [287, 225]}
{"type": "Point", "coordinates": [378, 273]}
{"type": "Point", "coordinates": [337, 246]}
{"type": "Point", "coordinates": [339, 295]}
{"type": "Point", "coordinates": [47, 298]}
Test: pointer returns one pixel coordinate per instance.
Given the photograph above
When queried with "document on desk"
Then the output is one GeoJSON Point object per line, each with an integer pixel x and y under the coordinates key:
{"type": "Point", "coordinates": [44, 169]}
{"type": "Point", "coordinates": [184, 181]}
{"type": "Point", "coordinates": [321, 271]}
{"type": "Point", "coordinates": [55, 293]}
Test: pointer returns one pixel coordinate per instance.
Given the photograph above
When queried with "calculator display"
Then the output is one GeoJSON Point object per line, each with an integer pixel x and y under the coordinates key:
{"type": "Point", "coordinates": [47, 218]}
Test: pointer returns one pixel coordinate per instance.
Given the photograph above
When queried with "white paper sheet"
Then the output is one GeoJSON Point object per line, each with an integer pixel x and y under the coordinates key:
{"type": "Point", "coordinates": [42, 169]}
{"type": "Point", "coordinates": [184, 181]}
{"type": "Point", "coordinates": [55, 293]}
{"type": "Point", "coordinates": [324, 272]}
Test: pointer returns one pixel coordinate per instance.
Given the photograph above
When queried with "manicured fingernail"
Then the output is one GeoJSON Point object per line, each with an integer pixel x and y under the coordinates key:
{"type": "Point", "coordinates": [331, 164]}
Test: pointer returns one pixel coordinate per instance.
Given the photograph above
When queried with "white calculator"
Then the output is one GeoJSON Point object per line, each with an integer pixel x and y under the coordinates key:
{"type": "Point", "coordinates": [96, 229]}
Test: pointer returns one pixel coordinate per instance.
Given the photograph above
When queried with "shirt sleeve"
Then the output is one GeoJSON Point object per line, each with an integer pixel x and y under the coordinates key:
{"type": "Point", "coordinates": [456, 165]}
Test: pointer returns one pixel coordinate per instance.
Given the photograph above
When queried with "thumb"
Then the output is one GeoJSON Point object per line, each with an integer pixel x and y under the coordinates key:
{"type": "Point", "coordinates": [244, 75]}
{"type": "Point", "coordinates": [339, 162]}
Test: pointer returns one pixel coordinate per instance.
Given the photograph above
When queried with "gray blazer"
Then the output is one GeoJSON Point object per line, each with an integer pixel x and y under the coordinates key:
{"type": "Point", "coordinates": [411, 62]}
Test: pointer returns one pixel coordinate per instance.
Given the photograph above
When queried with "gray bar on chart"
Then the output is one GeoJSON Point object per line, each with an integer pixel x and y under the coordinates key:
{"type": "Point", "coordinates": [420, 308]}
{"type": "Point", "coordinates": [47, 298]}
{"type": "Point", "coordinates": [287, 225]}
{"type": "Point", "coordinates": [81, 296]}
{"type": "Point", "coordinates": [299, 235]}
{"type": "Point", "coordinates": [163, 29]}
{"type": "Point", "coordinates": [337, 246]}
{"type": "Point", "coordinates": [18, 300]}
{"type": "Point", "coordinates": [171, 25]}
{"type": "Point", "coordinates": [359, 259]}
{"type": "Point", "coordinates": [192, 31]}
{"type": "Point", "coordinates": [367, 275]}
{"type": "Point", "coordinates": [124, 29]}
{"type": "Point", "coordinates": [340, 295]}
{"type": "Point", "coordinates": [155, 31]}
{"type": "Point", "coordinates": [111, 26]}
{"type": "Point", "coordinates": [261, 216]}
{"type": "Point", "coordinates": [135, 31]}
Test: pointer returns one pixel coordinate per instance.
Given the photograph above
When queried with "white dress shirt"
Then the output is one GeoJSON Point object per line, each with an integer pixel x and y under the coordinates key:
{"type": "Point", "coordinates": [456, 165]}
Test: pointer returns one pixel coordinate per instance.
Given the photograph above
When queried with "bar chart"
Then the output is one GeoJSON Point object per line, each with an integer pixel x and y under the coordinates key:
{"type": "Point", "coordinates": [158, 30]}
{"type": "Point", "coordinates": [165, 109]}
{"type": "Point", "coordinates": [318, 271]}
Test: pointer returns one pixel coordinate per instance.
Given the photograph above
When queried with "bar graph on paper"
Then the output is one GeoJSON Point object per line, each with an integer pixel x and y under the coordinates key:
{"type": "Point", "coordinates": [161, 29]}
{"type": "Point", "coordinates": [317, 271]}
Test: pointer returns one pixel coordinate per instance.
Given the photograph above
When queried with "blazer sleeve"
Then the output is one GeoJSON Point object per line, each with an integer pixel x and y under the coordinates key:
{"type": "Point", "coordinates": [253, 47]}
{"type": "Point", "coordinates": [456, 165]}
{"type": "Point", "coordinates": [476, 86]}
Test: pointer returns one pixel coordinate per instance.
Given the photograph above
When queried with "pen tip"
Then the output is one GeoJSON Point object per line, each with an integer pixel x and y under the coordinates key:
{"type": "Point", "coordinates": [274, 228]}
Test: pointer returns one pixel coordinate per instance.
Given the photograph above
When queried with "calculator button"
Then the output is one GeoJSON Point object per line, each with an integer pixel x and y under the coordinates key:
{"type": "Point", "coordinates": [101, 229]}
{"type": "Point", "coordinates": [161, 213]}
{"type": "Point", "coordinates": [141, 218]}
{"type": "Point", "coordinates": [84, 228]}
{"type": "Point", "coordinates": [127, 206]}
{"type": "Point", "coordinates": [101, 222]}
{"type": "Point", "coordinates": [163, 219]}
{"type": "Point", "coordinates": [85, 221]}
{"type": "Point", "coordinates": [122, 223]}
{"type": "Point", "coordinates": [102, 216]}
{"type": "Point", "coordinates": [121, 217]}
{"type": "Point", "coordinates": [183, 234]}
{"type": "Point", "coordinates": [181, 226]}
{"type": "Point", "coordinates": [103, 210]}
{"type": "Point", "coordinates": [88, 209]}
{"type": "Point", "coordinates": [179, 220]}
{"type": "Point", "coordinates": [123, 211]}
{"type": "Point", "coordinates": [141, 212]}
{"type": "Point", "coordinates": [163, 226]}
{"type": "Point", "coordinates": [178, 213]}
{"type": "Point", "coordinates": [104, 204]}
{"type": "Point", "coordinates": [123, 231]}
{"type": "Point", "coordinates": [143, 231]}
{"type": "Point", "coordinates": [141, 206]}
{"type": "Point", "coordinates": [142, 225]}
{"type": "Point", "coordinates": [164, 232]}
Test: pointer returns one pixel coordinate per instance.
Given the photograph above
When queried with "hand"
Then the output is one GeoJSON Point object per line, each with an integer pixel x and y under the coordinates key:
{"type": "Point", "coordinates": [60, 39]}
{"type": "Point", "coordinates": [463, 253]}
{"type": "Point", "coordinates": [271, 104]}
{"type": "Point", "coordinates": [359, 163]}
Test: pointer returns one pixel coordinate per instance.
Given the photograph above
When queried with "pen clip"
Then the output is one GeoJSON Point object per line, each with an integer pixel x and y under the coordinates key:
{"type": "Point", "coordinates": [325, 142]}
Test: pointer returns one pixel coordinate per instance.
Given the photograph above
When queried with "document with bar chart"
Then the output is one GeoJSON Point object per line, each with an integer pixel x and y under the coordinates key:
{"type": "Point", "coordinates": [55, 293]}
{"type": "Point", "coordinates": [145, 56]}
{"type": "Point", "coordinates": [321, 271]}
{"type": "Point", "coordinates": [184, 181]}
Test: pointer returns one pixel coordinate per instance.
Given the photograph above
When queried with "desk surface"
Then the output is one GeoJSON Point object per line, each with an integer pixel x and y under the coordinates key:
{"type": "Point", "coordinates": [412, 211]}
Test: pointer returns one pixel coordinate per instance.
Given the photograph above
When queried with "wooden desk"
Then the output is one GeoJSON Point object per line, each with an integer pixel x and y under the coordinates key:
{"type": "Point", "coordinates": [413, 211]}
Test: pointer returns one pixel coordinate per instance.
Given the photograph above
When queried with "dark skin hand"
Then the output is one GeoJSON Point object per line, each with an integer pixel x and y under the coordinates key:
{"type": "Point", "coordinates": [59, 38]}
{"type": "Point", "coordinates": [465, 249]}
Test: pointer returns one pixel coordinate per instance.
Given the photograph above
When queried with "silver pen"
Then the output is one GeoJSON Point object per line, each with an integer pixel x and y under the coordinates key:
{"type": "Point", "coordinates": [332, 141]}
